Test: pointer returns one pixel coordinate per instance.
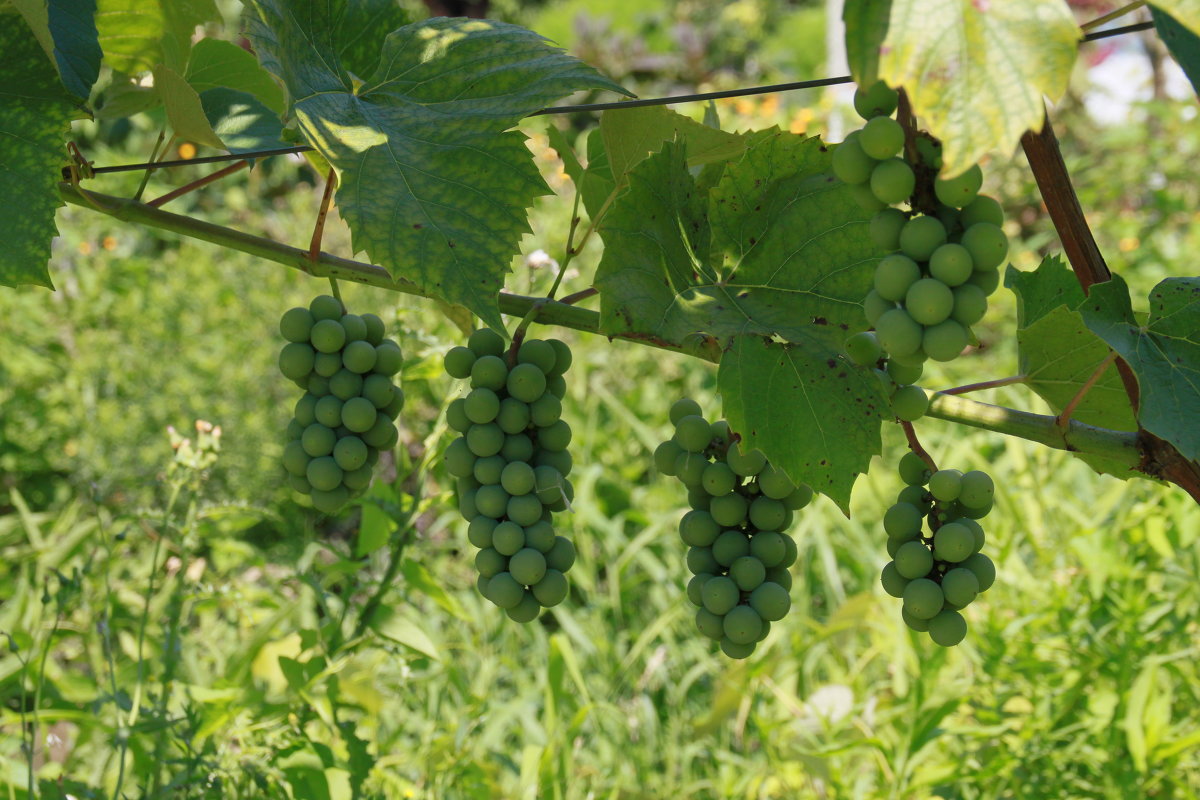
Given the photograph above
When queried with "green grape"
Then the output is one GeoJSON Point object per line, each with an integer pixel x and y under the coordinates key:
{"type": "Point", "coordinates": [921, 237]}
{"type": "Point", "coordinates": [374, 328]}
{"type": "Point", "coordinates": [745, 464]}
{"type": "Point", "coordinates": [460, 461]}
{"type": "Point", "coordinates": [346, 384]}
{"type": "Point", "coordinates": [948, 215]}
{"type": "Point", "coordinates": [902, 519]}
{"type": "Point", "coordinates": [562, 555]}
{"type": "Point", "coordinates": [526, 610]}
{"type": "Point", "coordinates": [689, 468]}
{"type": "Point", "coordinates": [458, 362]}
{"type": "Point", "coordinates": [539, 353]}
{"type": "Point", "coordinates": [910, 403]}
{"type": "Point", "coordinates": [720, 595]}
{"type": "Point", "coordinates": [294, 430]}
{"type": "Point", "coordinates": [518, 447]}
{"type": "Point", "coordinates": [892, 181]}
{"type": "Point", "coordinates": [548, 483]}
{"type": "Point", "coordinates": [953, 542]}
{"type": "Point", "coordinates": [350, 453]}
{"type": "Point", "coordinates": [356, 329]}
{"type": "Point", "coordinates": [693, 433]}
{"type": "Point", "coordinates": [327, 336]}
{"type": "Point", "coordinates": [700, 559]}
{"type": "Point", "coordinates": [545, 411]}
{"type": "Point", "coordinates": [866, 199]}
{"type": "Point", "coordinates": [479, 531]}
{"type": "Point", "coordinates": [492, 500]}
{"type": "Point", "coordinates": [485, 342]}
{"type": "Point", "coordinates": [769, 548]}
{"type": "Point", "coordinates": [540, 536]}
{"type": "Point", "coordinates": [876, 99]}
{"type": "Point", "coordinates": [982, 209]}
{"type": "Point", "coordinates": [466, 503]}
{"type": "Point", "coordinates": [325, 307]}
{"type": "Point", "coordinates": [388, 358]}
{"type": "Point", "coordinates": [379, 390]}
{"type": "Point", "coordinates": [504, 590]}
{"type": "Point", "coordinates": [526, 382]}
{"type": "Point", "coordinates": [945, 340]}
{"type": "Point", "coordinates": [729, 510]}
{"type": "Point", "coordinates": [947, 628]}
{"type": "Point", "coordinates": [767, 514]}
{"type": "Point", "coordinates": [885, 228]}
{"type": "Point", "coordinates": [295, 460]}
{"type": "Point", "coordinates": [977, 490]}
{"type": "Point", "coordinates": [517, 478]}
{"type": "Point", "coordinates": [771, 600]}
{"type": "Point", "coordinates": [456, 415]}
{"type": "Point", "coordinates": [512, 415]}
{"type": "Point", "coordinates": [863, 348]}
{"type": "Point", "coordinates": [318, 440]}
{"type": "Point", "coordinates": [359, 356]}
{"type": "Point", "coordinates": [485, 440]}
{"type": "Point", "coordinates": [524, 509]}
{"type": "Point", "coordinates": [960, 586]}
{"type": "Point", "coordinates": [735, 650]}
{"type": "Point", "coordinates": [490, 372]}
{"type": "Point", "coordinates": [894, 275]}
{"type": "Point", "coordinates": [695, 588]}
{"type": "Point", "coordinates": [329, 501]}
{"type": "Point", "coordinates": [718, 479]}
{"type": "Point", "coordinates": [780, 575]}
{"type": "Point", "coordinates": [482, 406]}
{"type": "Point", "coordinates": [709, 624]}
{"type": "Point", "coordinates": [699, 529]}
{"type": "Point", "coordinates": [555, 437]}
{"type": "Point", "coordinates": [560, 460]}
{"type": "Point", "coordinates": [743, 625]}
{"type": "Point", "coordinates": [328, 411]}
{"type": "Point", "coordinates": [945, 484]}
{"type": "Point", "coordinates": [987, 244]}
{"type": "Point", "coordinates": [987, 280]}
{"type": "Point", "coordinates": [774, 483]}
{"type": "Point", "coordinates": [960, 190]}
{"type": "Point", "coordinates": [296, 324]}
{"type": "Point", "coordinates": [970, 304]}
{"type": "Point", "coordinates": [913, 469]}
{"type": "Point", "coordinates": [296, 360]}
{"type": "Point", "coordinates": [527, 566]}
{"type": "Point", "coordinates": [850, 163]}
{"type": "Point", "coordinates": [904, 374]}
{"type": "Point", "coordinates": [305, 411]}
{"type": "Point", "coordinates": [395, 405]}
{"type": "Point", "coordinates": [923, 598]}
{"type": "Point", "coordinates": [508, 537]}
{"type": "Point", "coordinates": [489, 562]}
{"type": "Point", "coordinates": [951, 264]}
{"type": "Point", "coordinates": [920, 625]}
{"type": "Point", "coordinates": [721, 435]}
{"type": "Point", "coordinates": [930, 151]}
{"type": "Point", "coordinates": [983, 568]}
{"type": "Point", "coordinates": [556, 386]}
{"type": "Point", "coordinates": [747, 572]}
{"type": "Point", "coordinates": [730, 546]}
{"type": "Point", "coordinates": [551, 589]}
{"type": "Point", "coordinates": [881, 137]}
{"type": "Point", "coordinates": [358, 414]}
{"type": "Point", "coordinates": [976, 531]}
{"type": "Point", "coordinates": [875, 306]}
{"type": "Point", "coordinates": [929, 301]}
{"type": "Point", "coordinates": [382, 435]}
{"type": "Point", "coordinates": [299, 483]}
{"type": "Point", "coordinates": [324, 474]}
{"type": "Point", "coordinates": [684, 407]}
{"type": "Point", "coordinates": [898, 332]}
{"type": "Point", "coordinates": [799, 498]}
{"type": "Point", "coordinates": [913, 560]}
{"type": "Point", "coordinates": [891, 579]}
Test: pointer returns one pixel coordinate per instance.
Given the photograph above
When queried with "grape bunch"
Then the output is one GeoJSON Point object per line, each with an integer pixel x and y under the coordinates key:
{"type": "Point", "coordinates": [939, 573]}
{"type": "Point", "coordinates": [944, 253]}
{"type": "Point", "coordinates": [345, 418]}
{"type": "Point", "coordinates": [511, 462]}
{"type": "Point", "coordinates": [898, 379]}
{"type": "Point", "coordinates": [738, 553]}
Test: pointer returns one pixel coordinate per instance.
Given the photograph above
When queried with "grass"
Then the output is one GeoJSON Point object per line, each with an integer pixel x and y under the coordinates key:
{"type": "Point", "coordinates": [1077, 678]}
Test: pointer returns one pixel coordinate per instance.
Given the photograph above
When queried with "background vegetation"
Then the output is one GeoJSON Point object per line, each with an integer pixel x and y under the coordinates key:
{"type": "Point", "coordinates": [182, 627]}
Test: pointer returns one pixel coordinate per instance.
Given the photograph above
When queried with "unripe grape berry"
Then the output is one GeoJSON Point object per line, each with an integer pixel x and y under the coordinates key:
{"type": "Point", "coordinates": [768, 547]}
{"type": "Point", "coordinates": [987, 244]}
{"type": "Point", "coordinates": [710, 625]}
{"type": "Point", "coordinates": [986, 280]}
{"type": "Point", "coordinates": [898, 332]}
{"type": "Point", "coordinates": [326, 307]}
{"type": "Point", "coordinates": [921, 236]}
{"type": "Point", "coordinates": [767, 514]}
{"type": "Point", "coordinates": [774, 483]}
{"type": "Point", "coordinates": [947, 628]}
{"type": "Point", "coordinates": [945, 484]}
{"type": "Point", "coordinates": [482, 406]}
{"type": "Point", "coordinates": [747, 572]}
{"type": "Point", "coordinates": [876, 99]}
{"type": "Point", "coordinates": [720, 595]}
{"type": "Point", "coordinates": [981, 209]}
{"type": "Point", "coordinates": [296, 324]}
{"type": "Point", "coordinates": [551, 589]}
{"type": "Point", "coordinates": [913, 469]}
{"type": "Point", "coordinates": [526, 382]}
{"type": "Point", "coordinates": [892, 181]}
{"type": "Point", "coordinates": [684, 407]}
{"type": "Point", "coordinates": [944, 341]}
{"type": "Point", "coordinates": [527, 566]}
{"type": "Point", "coordinates": [718, 479]}
{"type": "Point", "coordinates": [735, 650]}
{"type": "Point", "coordinates": [324, 474]}
{"type": "Point", "coordinates": [698, 528]}
{"type": "Point", "coordinates": [730, 546]}
{"type": "Point", "coordinates": [893, 582]}
{"type": "Point", "coordinates": [489, 372]}
{"type": "Point", "coordinates": [485, 342]}
{"type": "Point", "coordinates": [960, 190]}
{"type": "Point", "coordinates": [960, 586]}
{"type": "Point", "coordinates": [865, 198]}
{"type": "Point", "coordinates": [894, 274]}
{"type": "Point", "coordinates": [977, 489]}
{"type": "Point", "coordinates": [356, 329]}
{"type": "Point", "coordinates": [799, 498]}
{"type": "Point", "coordinates": [504, 590]}
{"type": "Point", "coordinates": [923, 598]}
{"type": "Point", "coordinates": [863, 348]}
{"type": "Point", "coordinates": [902, 519]}
{"type": "Point", "coordinates": [882, 137]}
{"type": "Point", "coordinates": [729, 510]}
{"type": "Point", "coordinates": [318, 440]}
{"type": "Point", "coordinates": [951, 264]}
{"type": "Point", "coordinates": [693, 433]}
{"type": "Point", "coordinates": [903, 373]}
{"type": "Point", "coordinates": [562, 555]}
{"type": "Point", "coordinates": [875, 306]}
{"type": "Point", "coordinates": [379, 390]}
{"type": "Point", "coordinates": [929, 301]}
{"type": "Point", "coordinates": [330, 501]}
{"type": "Point", "coordinates": [910, 403]}
{"type": "Point", "coordinates": [743, 462]}
{"type": "Point", "coordinates": [850, 163]}
{"type": "Point", "coordinates": [970, 304]}
{"type": "Point", "coordinates": [983, 569]}
{"type": "Point", "coordinates": [953, 542]}
{"type": "Point", "coordinates": [913, 560]}
{"type": "Point", "coordinates": [328, 336]}
{"type": "Point", "coordinates": [538, 352]}
{"type": "Point", "coordinates": [743, 625]}
{"type": "Point", "coordinates": [296, 360]}
{"type": "Point", "coordinates": [885, 228]}
{"type": "Point", "coordinates": [350, 453]}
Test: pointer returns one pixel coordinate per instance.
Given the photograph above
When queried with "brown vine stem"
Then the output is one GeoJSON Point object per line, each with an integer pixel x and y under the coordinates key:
{"type": "Point", "coordinates": [914, 444]}
{"type": "Point", "coordinates": [1110, 16]}
{"type": "Point", "coordinates": [992, 384]}
{"type": "Point", "coordinates": [158, 202]}
{"type": "Point", "coordinates": [1064, 418]}
{"type": "Point", "coordinates": [582, 294]}
{"type": "Point", "coordinates": [314, 246]}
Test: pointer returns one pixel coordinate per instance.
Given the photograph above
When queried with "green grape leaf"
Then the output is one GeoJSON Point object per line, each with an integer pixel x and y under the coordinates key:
{"type": "Point", "coordinates": [35, 115]}
{"type": "Point", "coordinates": [433, 183]}
{"type": "Point", "coordinates": [814, 414]}
{"type": "Point", "coordinates": [632, 134]}
{"type": "Point", "coordinates": [184, 110]}
{"type": "Point", "coordinates": [866, 24]}
{"type": "Point", "coordinates": [1051, 285]}
{"type": "Point", "coordinates": [66, 30]}
{"type": "Point", "coordinates": [240, 121]}
{"type": "Point", "coordinates": [1164, 354]}
{"type": "Point", "coordinates": [1184, 12]}
{"type": "Point", "coordinates": [130, 33]}
{"type": "Point", "coordinates": [1183, 44]}
{"type": "Point", "coordinates": [975, 71]}
{"type": "Point", "coordinates": [216, 63]}
{"type": "Point", "coordinates": [777, 247]}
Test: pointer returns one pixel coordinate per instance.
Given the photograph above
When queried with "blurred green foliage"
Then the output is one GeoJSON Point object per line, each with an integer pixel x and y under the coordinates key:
{"type": "Point", "coordinates": [177, 628]}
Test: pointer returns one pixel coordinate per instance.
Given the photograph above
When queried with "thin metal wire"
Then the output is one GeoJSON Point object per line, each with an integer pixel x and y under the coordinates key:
{"type": "Point", "coordinates": [620, 104]}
